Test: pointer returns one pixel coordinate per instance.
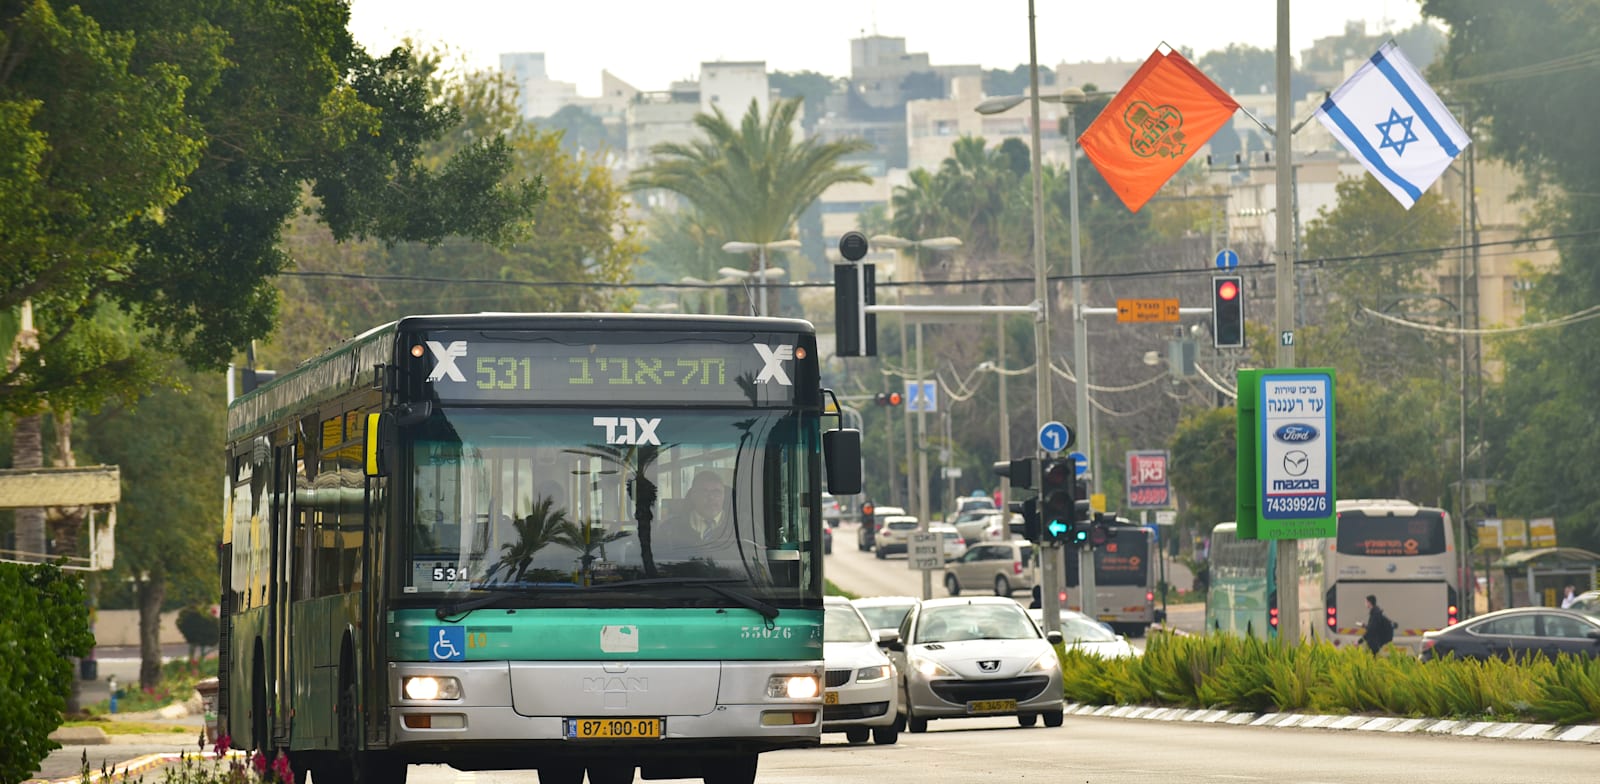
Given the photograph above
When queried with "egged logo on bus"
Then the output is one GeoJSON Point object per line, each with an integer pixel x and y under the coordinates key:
{"type": "Point", "coordinates": [630, 430]}
{"type": "Point", "coordinates": [773, 359]}
{"type": "Point", "coordinates": [1298, 433]}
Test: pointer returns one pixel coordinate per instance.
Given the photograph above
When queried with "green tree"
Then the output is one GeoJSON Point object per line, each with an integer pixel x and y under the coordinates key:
{"type": "Point", "coordinates": [579, 233]}
{"type": "Point", "coordinates": [583, 132]}
{"type": "Point", "coordinates": [812, 88]}
{"type": "Point", "coordinates": [168, 522]}
{"type": "Point", "coordinates": [44, 624]}
{"type": "Point", "coordinates": [157, 149]}
{"type": "Point", "coordinates": [1521, 70]}
{"type": "Point", "coordinates": [750, 183]}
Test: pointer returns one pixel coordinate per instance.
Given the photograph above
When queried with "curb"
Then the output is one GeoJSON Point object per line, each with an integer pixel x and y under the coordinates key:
{"type": "Point", "coordinates": [1501, 730]}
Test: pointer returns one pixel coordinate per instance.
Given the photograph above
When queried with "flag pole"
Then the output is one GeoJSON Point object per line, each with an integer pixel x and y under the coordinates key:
{"type": "Point", "coordinates": [1288, 549]}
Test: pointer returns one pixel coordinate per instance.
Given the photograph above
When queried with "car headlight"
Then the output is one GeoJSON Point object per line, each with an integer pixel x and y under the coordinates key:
{"type": "Point", "coordinates": [794, 687]}
{"type": "Point", "coordinates": [929, 667]}
{"type": "Point", "coordinates": [1045, 663]}
{"type": "Point", "coordinates": [429, 687]}
{"type": "Point", "coordinates": [873, 674]}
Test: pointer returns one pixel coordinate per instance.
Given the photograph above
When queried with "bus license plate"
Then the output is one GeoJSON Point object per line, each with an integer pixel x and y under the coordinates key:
{"type": "Point", "coordinates": [581, 729]}
{"type": "Point", "coordinates": [992, 706]}
{"type": "Point", "coordinates": [1108, 617]}
{"type": "Point", "coordinates": [831, 698]}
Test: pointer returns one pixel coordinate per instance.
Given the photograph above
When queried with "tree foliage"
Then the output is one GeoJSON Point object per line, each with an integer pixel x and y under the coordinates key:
{"type": "Point", "coordinates": [751, 182]}
{"type": "Point", "coordinates": [44, 623]}
{"type": "Point", "coordinates": [1521, 69]}
{"type": "Point", "coordinates": [578, 233]}
{"type": "Point", "coordinates": [154, 151]}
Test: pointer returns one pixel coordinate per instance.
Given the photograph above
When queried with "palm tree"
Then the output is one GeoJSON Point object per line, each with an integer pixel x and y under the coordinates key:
{"type": "Point", "coordinates": [750, 183]}
{"type": "Point", "coordinates": [540, 529]}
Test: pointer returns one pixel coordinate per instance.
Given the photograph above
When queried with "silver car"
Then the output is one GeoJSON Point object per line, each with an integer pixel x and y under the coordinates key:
{"type": "Point", "coordinates": [983, 656]}
{"type": "Point", "coordinates": [884, 613]}
{"type": "Point", "coordinates": [861, 699]}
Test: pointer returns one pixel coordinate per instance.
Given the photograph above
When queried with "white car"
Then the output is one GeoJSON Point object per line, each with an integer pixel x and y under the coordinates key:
{"type": "Point", "coordinates": [893, 534]}
{"type": "Point", "coordinates": [1082, 633]}
{"type": "Point", "coordinates": [954, 543]}
{"type": "Point", "coordinates": [861, 698]}
{"type": "Point", "coordinates": [976, 657]}
{"type": "Point", "coordinates": [884, 613]}
{"type": "Point", "coordinates": [983, 525]}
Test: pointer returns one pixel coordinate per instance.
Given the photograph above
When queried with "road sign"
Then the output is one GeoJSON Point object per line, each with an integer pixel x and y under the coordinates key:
{"type": "Point", "coordinates": [1227, 259]}
{"type": "Point", "coordinates": [1054, 437]}
{"type": "Point", "coordinates": [1080, 463]}
{"type": "Point", "coordinates": [922, 396]}
{"type": "Point", "coordinates": [1286, 457]}
{"type": "Point", "coordinates": [925, 550]}
{"type": "Point", "coordinates": [1147, 310]}
{"type": "Point", "coordinates": [1147, 479]}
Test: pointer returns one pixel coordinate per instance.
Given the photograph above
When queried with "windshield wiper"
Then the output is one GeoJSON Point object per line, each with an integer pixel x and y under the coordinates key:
{"type": "Point", "coordinates": [768, 611]}
{"type": "Point", "coordinates": [484, 598]}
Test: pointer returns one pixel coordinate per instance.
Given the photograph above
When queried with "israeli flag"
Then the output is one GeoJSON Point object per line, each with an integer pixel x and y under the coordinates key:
{"type": "Point", "coordinates": [1389, 118]}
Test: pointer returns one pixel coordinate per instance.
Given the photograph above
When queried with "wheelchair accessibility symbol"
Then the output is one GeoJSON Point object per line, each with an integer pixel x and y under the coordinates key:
{"type": "Point", "coordinates": [448, 643]}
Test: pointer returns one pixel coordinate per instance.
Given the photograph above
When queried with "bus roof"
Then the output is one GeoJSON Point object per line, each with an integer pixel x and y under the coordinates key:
{"type": "Point", "coordinates": [604, 321]}
{"type": "Point", "coordinates": [1384, 506]}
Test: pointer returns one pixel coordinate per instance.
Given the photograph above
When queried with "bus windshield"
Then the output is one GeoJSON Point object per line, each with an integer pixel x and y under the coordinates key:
{"type": "Point", "coordinates": [1386, 536]}
{"type": "Point", "coordinates": [559, 501]}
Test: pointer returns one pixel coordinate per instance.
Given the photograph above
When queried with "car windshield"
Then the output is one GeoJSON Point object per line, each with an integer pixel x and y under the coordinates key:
{"type": "Point", "coordinates": [885, 616]}
{"type": "Point", "coordinates": [842, 624]}
{"type": "Point", "coordinates": [974, 622]}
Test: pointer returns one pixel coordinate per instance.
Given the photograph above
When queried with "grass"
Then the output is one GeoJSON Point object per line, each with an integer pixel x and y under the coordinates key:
{"type": "Point", "coordinates": [133, 727]}
{"type": "Point", "coordinates": [178, 679]}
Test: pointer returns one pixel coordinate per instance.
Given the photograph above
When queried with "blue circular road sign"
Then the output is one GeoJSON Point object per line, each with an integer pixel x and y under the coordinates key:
{"type": "Point", "coordinates": [1227, 259]}
{"type": "Point", "coordinates": [1054, 437]}
{"type": "Point", "coordinates": [1080, 463]}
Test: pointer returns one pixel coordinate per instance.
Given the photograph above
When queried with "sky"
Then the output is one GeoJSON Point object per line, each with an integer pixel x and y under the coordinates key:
{"type": "Point", "coordinates": [650, 43]}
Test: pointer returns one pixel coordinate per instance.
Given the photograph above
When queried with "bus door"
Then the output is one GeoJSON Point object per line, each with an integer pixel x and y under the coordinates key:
{"type": "Point", "coordinates": [280, 593]}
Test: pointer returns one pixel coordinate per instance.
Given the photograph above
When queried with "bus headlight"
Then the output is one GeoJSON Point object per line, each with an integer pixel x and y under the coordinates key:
{"type": "Point", "coordinates": [794, 687]}
{"type": "Point", "coordinates": [428, 687]}
{"type": "Point", "coordinates": [872, 674]}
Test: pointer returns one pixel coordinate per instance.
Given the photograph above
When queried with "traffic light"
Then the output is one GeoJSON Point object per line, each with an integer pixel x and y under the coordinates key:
{"type": "Point", "coordinates": [854, 287]}
{"type": "Point", "coordinates": [1019, 471]}
{"type": "Point", "coordinates": [1227, 311]}
{"type": "Point", "coordinates": [888, 399]}
{"type": "Point", "coordinates": [1057, 497]}
{"type": "Point", "coordinates": [1029, 510]}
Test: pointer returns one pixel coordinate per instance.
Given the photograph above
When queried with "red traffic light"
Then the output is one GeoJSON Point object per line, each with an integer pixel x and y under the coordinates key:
{"type": "Point", "coordinates": [894, 398]}
{"type": "Point", "coordinates": [1227, 290]}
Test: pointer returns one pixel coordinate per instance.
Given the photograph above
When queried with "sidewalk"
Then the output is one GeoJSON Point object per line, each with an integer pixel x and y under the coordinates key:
{"type": "Point", "coordinates": [126, 754]}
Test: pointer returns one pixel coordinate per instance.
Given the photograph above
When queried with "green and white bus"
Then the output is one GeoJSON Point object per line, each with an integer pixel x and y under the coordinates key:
{"type": "Point", "coordinates": [446, 542]}
{"type": "Point", "coordinates": [1242, 589]}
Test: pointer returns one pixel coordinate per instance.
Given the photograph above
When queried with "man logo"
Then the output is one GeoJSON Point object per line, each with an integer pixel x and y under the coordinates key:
{"type": "Point", "coordinates": [774, 359]}
{"type": "Point", "coordinates": [445, 357]}
{"type": "Point", "coordinates": [638, 432]}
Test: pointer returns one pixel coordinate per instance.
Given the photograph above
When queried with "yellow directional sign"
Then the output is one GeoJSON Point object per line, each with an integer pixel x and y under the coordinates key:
{"type": "Point", "coordinates": [1145, 310]}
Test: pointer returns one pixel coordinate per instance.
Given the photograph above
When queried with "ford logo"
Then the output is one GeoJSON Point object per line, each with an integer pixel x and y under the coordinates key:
{"type": "Point", "coordinates": [1295, 434]}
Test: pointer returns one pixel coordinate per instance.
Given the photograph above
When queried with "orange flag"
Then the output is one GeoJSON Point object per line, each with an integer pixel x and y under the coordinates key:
{"type": "Point", "coordinates": [1157, 122]}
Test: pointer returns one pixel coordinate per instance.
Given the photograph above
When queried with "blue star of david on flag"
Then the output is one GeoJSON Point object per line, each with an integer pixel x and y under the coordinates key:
{"type": "Point", "coordinates": [1416, 138]}
{"type": "Point", "coordinates": [1386, 130]}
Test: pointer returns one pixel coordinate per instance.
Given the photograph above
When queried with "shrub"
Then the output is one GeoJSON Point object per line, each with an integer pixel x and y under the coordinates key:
{"type": "Point", "coordinates": [44, 623]}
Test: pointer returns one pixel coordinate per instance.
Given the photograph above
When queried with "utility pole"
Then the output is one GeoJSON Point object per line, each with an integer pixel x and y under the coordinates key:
{"type": "Point", "coordinates": [1288, 549]}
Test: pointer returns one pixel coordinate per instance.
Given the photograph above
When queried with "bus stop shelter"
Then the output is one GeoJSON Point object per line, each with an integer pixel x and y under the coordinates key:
{"type": "Point", "coordinates": [1534, 578]}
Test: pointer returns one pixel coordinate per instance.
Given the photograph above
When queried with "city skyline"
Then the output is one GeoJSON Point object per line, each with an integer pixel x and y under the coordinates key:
{"type": "Point", "coordinates": [727, 30]}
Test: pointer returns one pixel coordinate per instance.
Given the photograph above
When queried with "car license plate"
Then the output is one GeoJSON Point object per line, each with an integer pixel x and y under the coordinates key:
{"type": "Point", "coordinates": [992, 706]}
{"type": "Point", "coordinates": [831, 698]}
{"type": "Point", "coordinates": [581, 729]}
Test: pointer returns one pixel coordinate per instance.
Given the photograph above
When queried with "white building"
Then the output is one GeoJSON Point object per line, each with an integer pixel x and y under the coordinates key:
{"type": "Point", "coordinates": [537, 94]}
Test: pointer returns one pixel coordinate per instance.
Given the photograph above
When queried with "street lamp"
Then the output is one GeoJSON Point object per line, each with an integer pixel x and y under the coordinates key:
{"type": "Point", "coordinates": [760, 248]}
{"type": "Point", "coordinates": [919, 496]}
{"type": "Point", "coordinates": [1072, 97]}
{"type": "Point", "coordinates": [1041, 341]}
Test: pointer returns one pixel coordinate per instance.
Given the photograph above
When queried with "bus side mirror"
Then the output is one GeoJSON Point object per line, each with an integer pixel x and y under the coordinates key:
{"type": "Point", "coordinates": [841, 454]}
{"type": "Point", "coordinates": [382, 447]}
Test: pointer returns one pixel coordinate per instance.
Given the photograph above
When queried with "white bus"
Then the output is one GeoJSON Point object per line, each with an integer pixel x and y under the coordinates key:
{"type": "Point", "coordinates": [1403, 554]}
{"type": "Point", "coordinates": [1125, 579]}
